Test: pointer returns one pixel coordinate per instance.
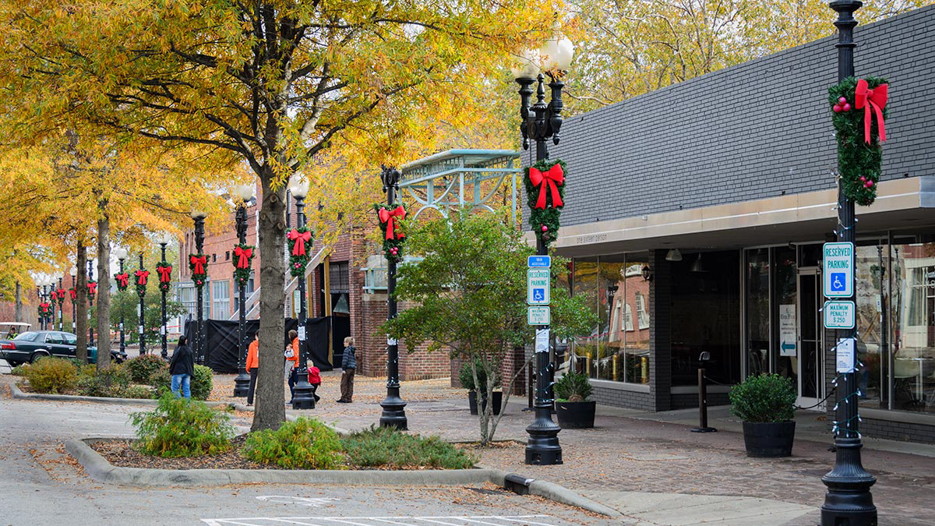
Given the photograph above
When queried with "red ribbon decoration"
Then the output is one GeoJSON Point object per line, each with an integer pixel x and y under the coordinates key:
{"type": "Point", "coordinates": [61, 295]}
{"type": "Point", "coordinates": [551, 177]}
{"type": "Point", "coordinates": [44, 307]}
{"type": "Point", "coordinates": [199, 263]}
{"type": "Point", "coordinates": [73, 293]}
{"type": "Point", "coordinates": [123, 279]}
{"type": "Point", "coordinates": [141, 276]}
{"type": "Point", "coordinates": [243, 255]}
{"type": "Point", "coordinates": [300, 239]}
{"type": "Point", "coordinates": [165, 273]}
{"type": "Point", "coordinates": [92, 288]}
{"type": "Point", "coordinates": [389, 218]}
{"type": "Point", "coordinates": [875, 98]}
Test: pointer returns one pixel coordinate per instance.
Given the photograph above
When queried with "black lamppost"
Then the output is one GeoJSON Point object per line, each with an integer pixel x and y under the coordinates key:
{"type": "Point", "coordinates": [38, 281]}
{"type": "Point", "coordinates": [164, 269]}
{"type": "Point", "coordinates": [848, 501]}
{"type": "Point", "coordinates": [60, 296]}
{"type": "Point", "coordinates": [43, 299]}
{"type": "Point", "coordinates": [199, 260]}
{"type": "Point", "coordinates": [242, 381]}
{"type": "Point", "coordinates": [541, 122]}
{"type": "Point", "coordinates": [303, 397]}
{"type": "Point", "coordinates": [74, 298]}
{"type": "Point", "coordinates": [142, 276]}
{"type": "Point", "coordinates": [394, 408]}
{"type": "Point", "coordinates": [121, 254]}
{"type": "Point", "coordinates": [50, 298]}
{"type": "Point", "coordinates": [90, 301]}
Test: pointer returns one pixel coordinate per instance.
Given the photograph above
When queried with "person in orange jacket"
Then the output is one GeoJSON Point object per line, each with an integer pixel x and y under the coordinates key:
{"type": "Point", "coordinates": [292, 362]}
{"type": "Point", "coordinates": [253, 364]}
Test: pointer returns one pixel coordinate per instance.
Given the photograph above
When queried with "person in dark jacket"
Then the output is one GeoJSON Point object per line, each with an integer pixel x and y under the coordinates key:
{"type": "Point", "coordinates": [349, 364]}
{"type": "Point", "coordinates": [182, 368]}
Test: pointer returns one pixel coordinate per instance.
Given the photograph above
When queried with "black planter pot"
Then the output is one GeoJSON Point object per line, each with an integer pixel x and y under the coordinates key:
{"type": "Point", "coordinates": [575, 415]}
{"type": "Point", "coordinates": [497, 402]}
{"type": "Point", "coordinates": [769, 439]}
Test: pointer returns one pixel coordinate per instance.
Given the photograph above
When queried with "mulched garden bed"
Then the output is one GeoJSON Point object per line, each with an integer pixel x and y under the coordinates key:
{"type": "Point", "coordinates": [120, 452]}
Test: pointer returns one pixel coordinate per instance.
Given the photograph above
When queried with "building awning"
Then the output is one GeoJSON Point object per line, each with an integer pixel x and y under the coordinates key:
{"type": "Point", "coordinates": [812, 216]}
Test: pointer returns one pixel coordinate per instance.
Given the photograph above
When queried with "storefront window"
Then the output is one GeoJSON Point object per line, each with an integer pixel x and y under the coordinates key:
{"type": "Point", "coordinates": [757, 307]}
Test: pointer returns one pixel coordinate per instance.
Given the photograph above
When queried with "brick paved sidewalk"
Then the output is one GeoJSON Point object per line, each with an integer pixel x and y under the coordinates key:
{"type": "Point", "coordinates": [626, 454]}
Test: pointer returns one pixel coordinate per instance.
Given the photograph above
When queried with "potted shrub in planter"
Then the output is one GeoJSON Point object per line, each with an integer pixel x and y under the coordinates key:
{"type": "Point", "coordinates": [571, 405]}
{"type": "Point", "coordinates": [766, 404]}
{"type": "Point", "coordinates": [467, 381]}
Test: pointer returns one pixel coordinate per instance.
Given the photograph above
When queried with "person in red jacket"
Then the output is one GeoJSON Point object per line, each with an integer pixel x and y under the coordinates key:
{"type": "Point", "coordinates": [253, 364]}
{"type": "Point", "coordinates": [292, 362]}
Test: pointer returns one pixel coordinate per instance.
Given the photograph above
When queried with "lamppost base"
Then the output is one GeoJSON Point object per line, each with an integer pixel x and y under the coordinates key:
{"type": "Point", "coordinates": [242, 385]}
{"type": "Point", "coordinates": [303, 396]}
{"type": "Point", "coordinates": [543, 448]}
{"type": "Point", "coordinates": [704, 430]}
{"type": "Point", "coordinates": [848, 501]}
{"type": "Point", "coordinates": [394, 413]}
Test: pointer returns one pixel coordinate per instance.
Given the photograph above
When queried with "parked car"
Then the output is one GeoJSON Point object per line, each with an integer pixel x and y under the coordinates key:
{"type": "Point", "coordinates": [32, 345]}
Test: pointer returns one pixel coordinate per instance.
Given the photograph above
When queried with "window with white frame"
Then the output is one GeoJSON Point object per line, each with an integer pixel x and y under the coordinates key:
{"type": "Point", "coordinates": [628, 317]}
{"type": "Point", "coordinates": [642, 317]}
{"type": "Point", "coordinates": [220, 299]}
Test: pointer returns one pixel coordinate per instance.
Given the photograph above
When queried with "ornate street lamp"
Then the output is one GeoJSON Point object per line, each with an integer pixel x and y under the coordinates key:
{"type": "Point", "coordinates": [60, 297]}
{"type": "Point", "coordinates": [38, 281]}
{"type": "Point", "coordinates": [198, 263]}
{"type": "Point", "coordinates": [92, 288]}
{"type": "Point", "coordinates": [848, 501]}
{"type": "Point", "coordinates": [164, 270]}
{"type": "Point", "coordinates": [394, 408]}
{"type": "Point", "coordinates": [74, 298]}
{"type": "Point", "coordinates": [123, 280]}
{"type": "Point", "coordinates": [142, 276]}
{"type": "Point", "coordinates": [242, 381]}
{"type": "Point", "coordinates": [542, 121]}
{"type": "Point", "coordinates": [301, 243]}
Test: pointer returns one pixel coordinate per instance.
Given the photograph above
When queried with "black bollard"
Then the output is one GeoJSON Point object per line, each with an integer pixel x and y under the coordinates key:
{"type": "Point", "coordinates": [703, 396]}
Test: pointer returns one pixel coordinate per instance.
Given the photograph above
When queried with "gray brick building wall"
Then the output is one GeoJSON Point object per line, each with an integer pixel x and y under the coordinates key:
{"type": "Point", "coordinates": [756, 130]}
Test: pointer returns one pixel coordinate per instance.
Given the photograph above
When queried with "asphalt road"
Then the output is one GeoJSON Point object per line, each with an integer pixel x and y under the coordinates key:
{"type": "Point", "coordinates": [42, 485]}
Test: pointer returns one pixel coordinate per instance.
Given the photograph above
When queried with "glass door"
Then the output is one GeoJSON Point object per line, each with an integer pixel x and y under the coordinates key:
{"type": "Point", "coordinates": [806, 361]}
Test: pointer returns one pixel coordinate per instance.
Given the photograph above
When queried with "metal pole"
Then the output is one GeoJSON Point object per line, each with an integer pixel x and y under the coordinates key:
{"type": "Point", "coordinates": [543, 446]}
{"type": "Point", "coordinates": [242, 381]}
{"type": "Point", "coordinates": [123, 341]}
{"type": "Point", "coordinates": [74, 307]}
{"type": "Point", "coordinates": [848, 501]}
{"type": "Point", "coordinates": [303, 398]}
{"type": "Point", "coordinates": [199, 328]}
{"type": "Point", "coordinates": [394, 408]}
{"type": "Point", "coordinates": [90, 304]}
{"type": "Point", "coordinates": [165, 343]}
{"type": "Point", "coordinates": [61, 307]}
{"type": "Point", "coordinates": [142, 327]}
{"type": "Point", "coordinates": [51, 301]}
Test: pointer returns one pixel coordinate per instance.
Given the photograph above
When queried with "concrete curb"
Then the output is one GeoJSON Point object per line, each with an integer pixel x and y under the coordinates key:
{"type": "Point", "coordinates": [19, 394]}
{"type": "Point", "coordinates": [103, 471]}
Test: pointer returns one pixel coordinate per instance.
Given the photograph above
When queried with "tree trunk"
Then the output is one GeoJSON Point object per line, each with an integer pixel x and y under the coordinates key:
{"type": "Point", "coordinates": [18, 315]}
{"type": "Point", "coordinates": [103, 296]}
{"type": "Point", "coordinates": [81, 288]}
{"type": "Point", "coordinates": [270, 409]}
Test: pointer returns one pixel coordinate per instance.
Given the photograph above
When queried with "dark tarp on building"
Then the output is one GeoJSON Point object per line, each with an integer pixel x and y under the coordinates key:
{"type": "Point", "coordinates": [221, 352]}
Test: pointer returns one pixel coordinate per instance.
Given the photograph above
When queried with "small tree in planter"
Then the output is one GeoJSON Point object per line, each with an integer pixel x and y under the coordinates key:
{"type": "Point", "coordinates": [469, 294]}
{"type": "Point", "coordinates": [766, 404]}
{"type": "Point", "coordinates": [572, 406]}
{"type": "Point", "coordinates": [466, 377]}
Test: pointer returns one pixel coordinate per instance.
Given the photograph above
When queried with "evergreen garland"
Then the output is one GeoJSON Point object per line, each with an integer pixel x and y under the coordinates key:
{"type": "Point", "coordinates": [242, 275]}
{"type": "Point", "coordinates": [43, 310]}
{"type": "Point", "coordinates": [142, 276]}
{"type": "Point", "coordinates": [392, 247]}
{"type": "Point", "coordinates": [298, 262]}
{"type": "Point", "coordinates": [92, 289]}
{"type": "Point", "coordinates": [164, 285]}
{"type": "Point", "coordinates": [859, 163]}
{"type": "Point", "coordinates": [123, 281]}
{"type": "Point", "coordinates": [60, 296]}
{"type": "Point", "coordinates": [544, 221]}
{"type": "Point", "coordinates": [198, 277]}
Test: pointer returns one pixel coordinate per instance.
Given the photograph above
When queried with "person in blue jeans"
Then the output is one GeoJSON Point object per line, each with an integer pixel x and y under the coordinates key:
{"type": "Point", "coordinates": [182, 368]}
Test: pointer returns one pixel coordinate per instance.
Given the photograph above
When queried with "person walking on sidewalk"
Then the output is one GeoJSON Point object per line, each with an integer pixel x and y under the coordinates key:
{"type": "Point", "coordinates": [349, 364]}
{"type": "Point", "coordinates": [253, 365]}
{"type": "Point", "coordinates": [182, 368]}
{"type": "Point", "coordinates": [292, 362]}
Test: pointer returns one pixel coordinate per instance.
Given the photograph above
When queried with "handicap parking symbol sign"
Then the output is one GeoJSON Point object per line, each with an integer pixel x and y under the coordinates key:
{"type": "Point", "coordinates": [838, 280]}
{"type": "Point", "coordinates": [538, 294]}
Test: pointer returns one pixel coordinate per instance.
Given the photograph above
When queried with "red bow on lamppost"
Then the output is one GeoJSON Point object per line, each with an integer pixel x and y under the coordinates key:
{"type": "Point", "coordinates": [390, 219]}
{"type": "Point", "coordinates": [875, 98]}
{"type": "Point", "coordinates": [123, 280]}
{"type": "Point", "coordinates": [60, 295]}
{"type": "Point", "coordinates": [243, 255]}
{"type": "Point", "coordinates": [552, 177]}
{"type": "Point", "coordinates": [73, 293]}
{"type": "Point", "coordinates": [165, 273]}
{"type": "Point", "coordinates": [199, 263]}
{"type": "Point", "coordinates": [92, 288]}
{"type": "Point", "coordinates": [141, 276]}
{"type": "Point", "coordinates": [299, 239]}
{"type": "Point", "coordinates": [45, 308]}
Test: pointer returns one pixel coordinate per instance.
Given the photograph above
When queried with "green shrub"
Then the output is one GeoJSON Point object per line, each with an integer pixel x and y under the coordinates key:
{"type": "Point", "coordinates": [573, 387]}
{"type": "Point", "coordinates": [20, 370]}
{"type": "Point", "coordinates": [52, 375]}
{"type": "Point", "coordinates": [201, 383]}
{"type": "Point", "coordinates": [141, 392]}
{"type": "Point", "coordinates": [764, 398]}
{"type": "Point", "coordinates": [111, 381]}
{"type": "Point", "coordinates": [143, 368]}
{"type": "Point", "coordinates": [389, 448]}
{"type": "Point", "coordinates": [182, 428]}
{"type": "Point", "coordinates": [303, 444]}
